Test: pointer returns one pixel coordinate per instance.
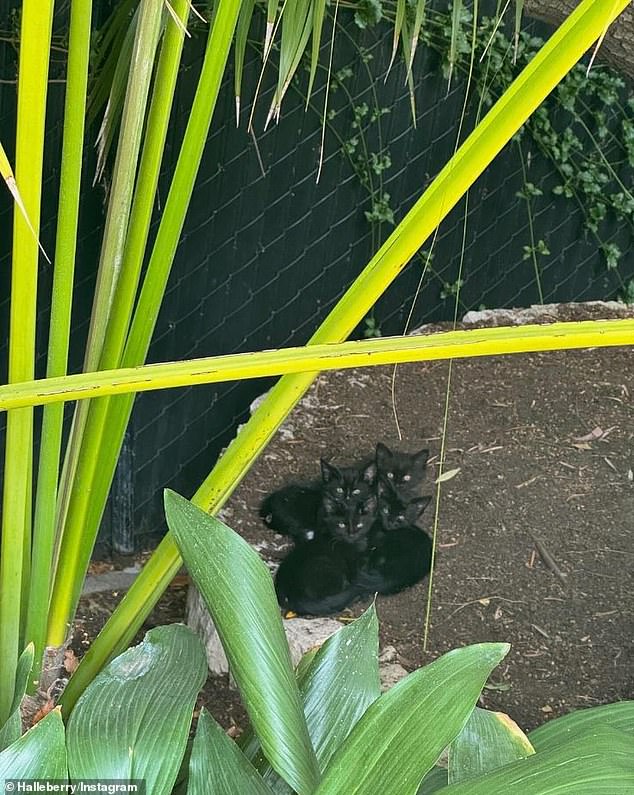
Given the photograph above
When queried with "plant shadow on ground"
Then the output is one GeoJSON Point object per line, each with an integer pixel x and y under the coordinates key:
{"type": "Point", "coordinates": [545, 447]}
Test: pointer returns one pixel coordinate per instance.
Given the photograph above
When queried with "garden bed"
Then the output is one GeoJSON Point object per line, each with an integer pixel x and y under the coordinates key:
{"type": "Point", "coordinates": [544, 446]}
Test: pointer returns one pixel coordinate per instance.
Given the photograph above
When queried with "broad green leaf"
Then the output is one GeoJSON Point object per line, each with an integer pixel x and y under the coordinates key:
{"type": "Point", "coordinates": [238, 591]}
{"type": "Point", "coordinates": [600, 763]}
{"type": "Point", "coordinates": [403, 733]}
{"type": "Point", "coordinates": [133, 720]}
{"type": "Point", "coordinates": [489, 740]}
{"type": "Point", "coordinates": [338, 682]}
{"type": "Point", "coordinates": [217, 764]}
{"type": "Point", "coordinates": [434, 781]}
{"type": "Point", "coordinates": [618, 716]}
{"type": "Point", "coordinates": [341, 683]}
{"type": "Point", "coordinates": [12, 729]}
{"type": "Point", "coordinates": [40, 753]}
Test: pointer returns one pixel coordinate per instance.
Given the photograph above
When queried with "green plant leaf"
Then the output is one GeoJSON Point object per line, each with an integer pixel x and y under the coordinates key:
{"type": "Point", "coordinates": [40, 753]}
{"type": "Point", "coordinates": [238, 591]}
{"type": "Point", "coordinates": [242, 32]}
{"type": "Point", "coordinates": [489, 740]}
{"type": "Point", "coordinates": [600, 763]}
{"type": "Point", "coordinates": [338, 682]}
{"type": "Point", "coordinates": [217, 764]}
{"type": "Point", "coordinates": [618, 716]}
{"type": "Point", "coordinates": [435, 780]}
{"type": "Point", "coordinates": [133, 721]}
{"type": "Point", "coordinates": [403, 733]}
{"type": "Point", "coordinates": [12, 729]}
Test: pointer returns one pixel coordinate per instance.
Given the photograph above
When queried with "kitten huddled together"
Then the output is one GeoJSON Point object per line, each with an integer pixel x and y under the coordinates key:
{"type": "Point", "coordinates": [354, 531]}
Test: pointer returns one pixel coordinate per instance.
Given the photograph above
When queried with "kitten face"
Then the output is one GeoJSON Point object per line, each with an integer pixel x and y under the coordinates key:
{"type": "Point", "coordinates": [348, 484]}
{"type": "Point", "coordinates": [395, 512]}
{"type": "Point", "coordinates": [349, 521]}
{"type": "Point", "coordinates": [403, 471]}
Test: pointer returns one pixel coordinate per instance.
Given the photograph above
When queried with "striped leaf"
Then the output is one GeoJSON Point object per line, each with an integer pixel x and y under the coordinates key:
{"type": "Point", "coordinates": [238, 591]}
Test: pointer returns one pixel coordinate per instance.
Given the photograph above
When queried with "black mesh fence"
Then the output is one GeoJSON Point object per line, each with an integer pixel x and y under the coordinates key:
{"type": "Point", "coordinates": [267, 250]}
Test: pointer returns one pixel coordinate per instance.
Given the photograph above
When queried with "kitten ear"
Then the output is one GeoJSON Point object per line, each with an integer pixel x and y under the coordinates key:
{"type": "Point", "coordinates": [370, 472]}
{"type": "Point", "coordinates": [328, 471]}
{"type": "Point", "coordinates": [420, 458]}
{"type": "Point", "coordinates": [418, 505]}
{"type": "Point", "coordinates": [382, 454]}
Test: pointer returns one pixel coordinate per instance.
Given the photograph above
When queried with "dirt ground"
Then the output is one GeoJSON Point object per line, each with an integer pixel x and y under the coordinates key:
{"type": "Point", "coordinates": [544, 445]}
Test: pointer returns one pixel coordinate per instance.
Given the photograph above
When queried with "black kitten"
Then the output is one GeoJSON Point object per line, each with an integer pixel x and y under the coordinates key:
{"type": "Point", "coordinates": [394, 512]}
{"type": "Point", "coordinates": [318, 578]}
{"type": "Point", "coordinates": [348, 483]}
{"type": "Point", "coordinates": [399, 552]}
{"type": "Point", "coordinates": [404, 471]}
{"type": "Point", "coordinates": [348, 521]}
{"type": "Point", "coordinates": [400, 559]}
{"type": "Point", "coordinates": [292, 511]}
{"type": "Point", "coordinates": [295, 510]}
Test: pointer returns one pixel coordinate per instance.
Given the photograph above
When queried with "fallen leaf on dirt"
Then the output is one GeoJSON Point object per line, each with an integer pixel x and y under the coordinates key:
{"type": "Point", "coordinates": [547, 708]}
{"type": "Point", "coordinates": [582, 445]}
{"type": "Point", "coordinates": [486, 601]}
{"type": "Point", "coordinates": [290, 614]}
{"type": "Point", "coordinates": [448, 475]}
{"type": "Point", "coordinates": [595, 433]}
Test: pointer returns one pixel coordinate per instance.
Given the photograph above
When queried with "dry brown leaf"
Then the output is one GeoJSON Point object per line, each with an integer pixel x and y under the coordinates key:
{"type": "Point", "coordinates": [595, 433]}
{"type": "Point", "coordinates": [451, 473]}
{"type": "Point", "coordinates": [70, 661]}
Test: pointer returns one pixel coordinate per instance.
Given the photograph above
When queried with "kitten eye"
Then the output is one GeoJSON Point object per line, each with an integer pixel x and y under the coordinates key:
{"type": "Point", "coordinates": [359, 524]}
{"type": "Point", "coordinates": [341, 524]}
{"type": "Point", "coordinates": [400, 517]}
{"type": "Point", "coordinates": [390, 475]}
{"type": "Point", "coordinates": [356, 491]}
{"type": "Point", "coordinates": [385, 511]}
{"type": "Point", "coordinates": [339, 490]}
{"type": "Point", "coordinates": [407, 477]}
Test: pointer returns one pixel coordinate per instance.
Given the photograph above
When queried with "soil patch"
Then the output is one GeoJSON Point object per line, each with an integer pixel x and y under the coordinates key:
{"type": "Point", "coordinates": [544, 447]}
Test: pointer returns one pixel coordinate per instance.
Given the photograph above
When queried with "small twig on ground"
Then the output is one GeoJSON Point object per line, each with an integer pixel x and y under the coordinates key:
{"type": "Point", "coordinates": [548, 559]}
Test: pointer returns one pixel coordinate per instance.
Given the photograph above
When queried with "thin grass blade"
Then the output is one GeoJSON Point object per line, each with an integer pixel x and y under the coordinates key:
{"type": "Point", "coordinates": [239, 51]}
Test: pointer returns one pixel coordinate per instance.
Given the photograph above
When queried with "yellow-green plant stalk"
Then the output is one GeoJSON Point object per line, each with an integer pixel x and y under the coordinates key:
{"type": "Point", "coordinates": [82, 524]}
{"type": "Point", "coordinates": [89, 458]}
{"type": "Point", "coordinates": [530, 88]}
{"type": "Point", "coordinates": [116, 226]}
{"type": "Point", "coordinates": [310, 358]}
{"type": "Point", "coordinates": [59, 333]}
{"type": "Point", "coordinates": [37, 17]}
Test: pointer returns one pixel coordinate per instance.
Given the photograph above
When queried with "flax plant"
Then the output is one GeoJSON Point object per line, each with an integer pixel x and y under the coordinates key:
{"type": "Point", "coordinates": [69, 508]}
